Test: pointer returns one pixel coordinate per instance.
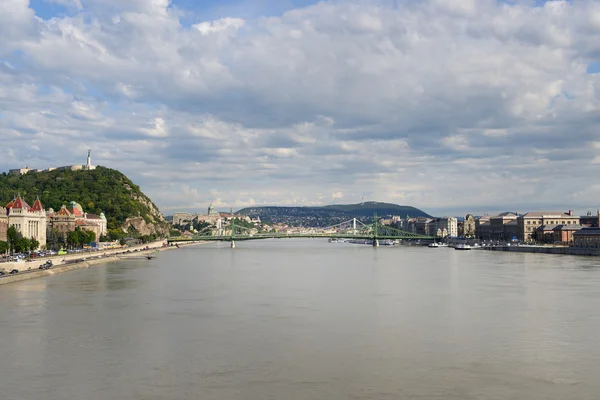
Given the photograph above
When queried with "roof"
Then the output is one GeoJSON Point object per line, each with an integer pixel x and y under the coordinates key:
{"type": "Point", "coordinates": [63, 212]}
{"type": "Point", "coordinates": [19, 204]}
{"type": "Point", "coordinates": [569, 227]}
{"type": "Point", "coordinates": [549, 227]}
{"type": "Point", "coordinates": [548, 214]}
{"type": "Point", "coordinates": [81, 222]}
{"type": "Point", "coordinates": [92, 216]}
{"type": "Point", "coordinates": [75, 212]}
{"type": "Point", "coordinates": [588, 232]}
{"type": "Point", "coordinates": [37, 206]}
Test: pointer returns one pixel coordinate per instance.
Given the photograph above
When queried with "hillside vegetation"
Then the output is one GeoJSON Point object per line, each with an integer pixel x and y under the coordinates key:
{"type": "Point", "coordinates": [100, 190]}
{"type": "Point", "coordinates": [329, 215]}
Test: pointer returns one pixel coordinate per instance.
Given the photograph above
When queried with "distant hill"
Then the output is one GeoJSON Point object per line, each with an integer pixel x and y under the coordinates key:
{"type": "Point", "coordinates": [367, 209]}
{"type": "Point", "coordinates": [100, 190]}
{"type": "Point", "coordinates": [329, 215]}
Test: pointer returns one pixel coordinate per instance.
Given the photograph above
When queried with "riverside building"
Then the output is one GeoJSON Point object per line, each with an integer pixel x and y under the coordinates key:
{"type": "Point", "coordinates": [30, 221]}
{"type": "Point", "coordinates": [533, 222]}
{"type": "Point", "coordinates": [3, 224]}
{"type": "Point", "coordinates": [67, 219]}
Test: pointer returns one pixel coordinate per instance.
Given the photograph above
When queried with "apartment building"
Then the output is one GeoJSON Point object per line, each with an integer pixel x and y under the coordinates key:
{"type": "Point", "coordinates": [528, 224]}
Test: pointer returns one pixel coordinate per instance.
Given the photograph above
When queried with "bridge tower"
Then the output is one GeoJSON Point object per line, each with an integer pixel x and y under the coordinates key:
{"type": "Point", "coordinates": [232, 233]}
{"type": "Point", "coordinates": [354, 226]}
{"type": "Point", "coordinates": [375, 240]}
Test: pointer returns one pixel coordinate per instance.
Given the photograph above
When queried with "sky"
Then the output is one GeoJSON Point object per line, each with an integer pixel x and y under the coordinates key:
{"type": "Point", "coordinates": [451, 106]}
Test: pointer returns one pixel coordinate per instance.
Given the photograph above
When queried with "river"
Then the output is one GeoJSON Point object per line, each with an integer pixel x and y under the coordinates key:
{"type": "Point", "coordinates": [306, 319]}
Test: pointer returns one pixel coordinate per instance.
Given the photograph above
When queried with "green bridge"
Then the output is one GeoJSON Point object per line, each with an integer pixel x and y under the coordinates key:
{"type": "Point", "coordinates": [351, 229]}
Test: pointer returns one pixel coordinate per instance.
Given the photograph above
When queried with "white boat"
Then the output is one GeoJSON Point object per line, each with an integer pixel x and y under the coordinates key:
{"type": "Point", "coordinates": [433, 245]}
{"type": "Point", "coordinates": [443, 244]}
{"type": "Point", "coordinates": [462, 247]}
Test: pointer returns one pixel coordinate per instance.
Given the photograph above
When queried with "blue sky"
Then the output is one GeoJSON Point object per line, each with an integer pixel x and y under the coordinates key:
{"type": "Point", "coordinates": [452, 106]}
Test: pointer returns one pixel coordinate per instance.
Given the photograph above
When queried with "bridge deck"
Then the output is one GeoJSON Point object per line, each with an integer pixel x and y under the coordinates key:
{"type": "Point", "coordinates": [291, 236]}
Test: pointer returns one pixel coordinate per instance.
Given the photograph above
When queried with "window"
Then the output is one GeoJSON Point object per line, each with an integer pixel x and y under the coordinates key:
{"type": "Point", "coordinates": [528, 222]}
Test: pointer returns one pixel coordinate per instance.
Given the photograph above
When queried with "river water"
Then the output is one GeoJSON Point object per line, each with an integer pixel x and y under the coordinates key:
{"type": "Point", "coordinates": [307, 319]}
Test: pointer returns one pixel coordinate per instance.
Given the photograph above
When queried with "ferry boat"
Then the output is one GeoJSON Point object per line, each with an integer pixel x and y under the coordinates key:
{"type": "Point", "coordinates": [433, 245]}
{"type": "Point", "coordinates": [462, 247]}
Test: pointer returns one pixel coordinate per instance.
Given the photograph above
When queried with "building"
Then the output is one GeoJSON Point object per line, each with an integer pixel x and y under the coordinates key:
{"type": "Point", "coordinates": [469, 225]}
{"type": "Point", "coordinates": [30, 221]}
{"type": "Point", "coordinates": [3, 224]}
{"type": "Point", "coordinates": [482, 228]}
{"type": "Point", "coordinates": [448, 227]}
{"type": "Point", "coordinates": [67, 219]}
{"type": "Point", "coordinates": [19, 171]}
{"type": "Point", "coordinates": [503, 227]}
{"type": "Point", "coordinates": [529, 223]}
{"type": "Point", "coordinates": [213, 217]}
{"type": "Point", "coordinates": [564, 234]}
{"type": "Point", "coordinates": [588, 236]}
{"type": "Point", "coordinates": [77, 167]}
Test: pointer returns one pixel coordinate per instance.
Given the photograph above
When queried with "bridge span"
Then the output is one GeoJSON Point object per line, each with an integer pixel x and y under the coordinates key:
{"type": "Point", "coordinates": [351, 229]}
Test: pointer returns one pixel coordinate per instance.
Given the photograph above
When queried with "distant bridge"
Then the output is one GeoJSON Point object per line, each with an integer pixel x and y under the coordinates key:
{"type": "Point", "coordinates": [351, 229]}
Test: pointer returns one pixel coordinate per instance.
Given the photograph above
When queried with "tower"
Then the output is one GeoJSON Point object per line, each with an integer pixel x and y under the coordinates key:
{"type": "Point", "coordinates": [88, 165]}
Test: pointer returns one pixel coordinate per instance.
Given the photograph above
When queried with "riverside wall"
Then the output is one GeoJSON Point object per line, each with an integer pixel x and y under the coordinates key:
{"type": "Point", "coordinates": [29, 270]}
{"type": "Point", "coordinates": [573, 251]}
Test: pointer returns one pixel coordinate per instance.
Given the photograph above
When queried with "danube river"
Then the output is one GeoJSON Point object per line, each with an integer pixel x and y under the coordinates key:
{"type": "Point", "coordinates": [307, 319]}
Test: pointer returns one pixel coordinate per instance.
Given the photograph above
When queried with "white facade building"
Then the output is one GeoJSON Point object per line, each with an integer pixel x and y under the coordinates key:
{"type": "Point", "coordinates": [448, 227]}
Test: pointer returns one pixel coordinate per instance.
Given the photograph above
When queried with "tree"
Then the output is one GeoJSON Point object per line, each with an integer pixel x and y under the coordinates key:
{"type": "Point", "coordinates": [54, 239]}
{"type": "Point", "coordinates": [4, 247]}
{"type": "Point", "coordinates": [74, 238]}
{"type": "Point", "coordinates": [21, 245]}
{"type": "Point", "coordinates": [33, 244]}
{"type": "Point", "coordinates": [90, 237]}
{"type": "Point", "coordinates": [13, 235]}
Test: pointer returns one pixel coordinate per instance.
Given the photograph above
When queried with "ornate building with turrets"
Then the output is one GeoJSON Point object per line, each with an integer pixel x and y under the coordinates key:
{"type": "Point", "coordinates": [67, 219]}
{"type": "Point", "coordinates": [30, 221]}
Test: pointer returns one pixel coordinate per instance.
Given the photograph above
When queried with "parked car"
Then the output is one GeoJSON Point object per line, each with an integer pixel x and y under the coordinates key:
{"type": "Point", "coordinates": [14, 271]}
{"type": "Point", "coordinates": [2, 273]}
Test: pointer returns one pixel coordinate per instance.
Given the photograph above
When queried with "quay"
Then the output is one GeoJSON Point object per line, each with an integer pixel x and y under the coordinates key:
{"type": "Point", "coordinates": [564, 250]}
{"type": "Point", "coordinates": [29, 270]}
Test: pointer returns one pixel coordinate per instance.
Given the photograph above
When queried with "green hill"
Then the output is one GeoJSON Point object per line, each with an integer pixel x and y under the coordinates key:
{"type": "Point", "coordinates": [367, 209]}
{"type": "Point", "coordinates": [101, 190]}
{"type": "Point", "coordinates": [330, 215]}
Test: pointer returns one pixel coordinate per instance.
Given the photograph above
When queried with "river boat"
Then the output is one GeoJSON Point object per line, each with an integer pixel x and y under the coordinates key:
{"type": "Point", "coordinates": [387, 242]}
{"type": "Point", "coordinates": [462, 247]}
{"type": "Point", "coordinates": [361, 241]}
{"type": "Point", "coordinates": [442, 244]}
{"type": "Point", "coordinates": [433, 245]}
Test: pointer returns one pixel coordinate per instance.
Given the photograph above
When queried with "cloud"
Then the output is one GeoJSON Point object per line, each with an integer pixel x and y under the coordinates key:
{"type": "Point", "coordinates": [225, 24]}
{"type": "Point", "coordinates": [405, 102]}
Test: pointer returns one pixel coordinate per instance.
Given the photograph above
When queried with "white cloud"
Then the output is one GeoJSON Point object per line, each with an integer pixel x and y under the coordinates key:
{"type": "Point", "coordinates": [208, 27]}
{"type": "Point", "coordinates": [402, 102]}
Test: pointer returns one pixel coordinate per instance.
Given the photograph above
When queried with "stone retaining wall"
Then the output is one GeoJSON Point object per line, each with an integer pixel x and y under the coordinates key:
{"type": "Point", "coordinates": [574, 251]}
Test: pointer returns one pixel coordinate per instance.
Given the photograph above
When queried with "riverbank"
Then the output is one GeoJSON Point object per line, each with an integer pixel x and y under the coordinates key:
{"type": "Point", "coordinates": [564, 250]}
{"type": "Point", "coordinates": [29, 270]}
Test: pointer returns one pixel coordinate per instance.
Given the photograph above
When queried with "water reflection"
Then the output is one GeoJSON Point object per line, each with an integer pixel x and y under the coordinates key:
{"type": "Point", "coordinates": [307, 320]}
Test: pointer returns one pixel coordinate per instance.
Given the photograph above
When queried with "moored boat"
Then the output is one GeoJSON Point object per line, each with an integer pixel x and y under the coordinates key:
{"type": "Point", "coordinates": [462, 247]}
{"type": "Point", "coordinates": [433, 245]}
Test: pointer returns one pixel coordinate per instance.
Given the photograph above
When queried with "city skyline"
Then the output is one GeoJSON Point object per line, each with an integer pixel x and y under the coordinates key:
{"type": "Point", "coordinates": [451, 106]}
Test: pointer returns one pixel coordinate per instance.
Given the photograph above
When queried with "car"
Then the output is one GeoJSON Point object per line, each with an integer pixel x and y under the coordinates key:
{"type": "Point", "coordinates": [2, 273]}
{"type": "Point", "coordinates": [14, 271]}
{"type": "Point", "coordinates": [46, 265]}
